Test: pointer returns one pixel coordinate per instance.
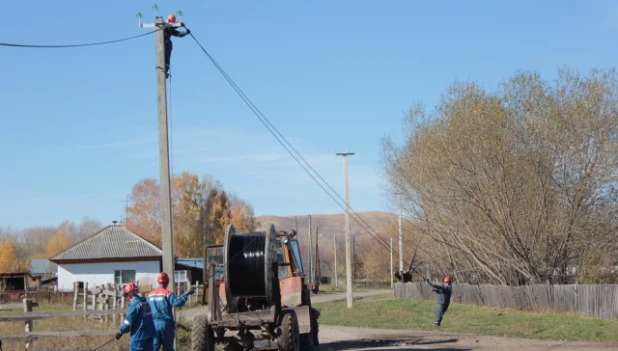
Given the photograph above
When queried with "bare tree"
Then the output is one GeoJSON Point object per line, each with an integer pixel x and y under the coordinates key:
{"type": "Point", "coordinates": [517, 185]}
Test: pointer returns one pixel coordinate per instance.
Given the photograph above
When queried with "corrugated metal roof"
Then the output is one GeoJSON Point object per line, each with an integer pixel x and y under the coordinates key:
{"type": "Point", "coordinates": [42, 266]}
{"type": "Point", "coordinates": [191, 262]}
{"type": "Point", "coordinates": [114, 241]}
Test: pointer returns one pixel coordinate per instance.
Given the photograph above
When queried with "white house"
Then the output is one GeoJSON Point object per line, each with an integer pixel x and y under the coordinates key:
{"type": "Point", "coordinates": [112, 255]}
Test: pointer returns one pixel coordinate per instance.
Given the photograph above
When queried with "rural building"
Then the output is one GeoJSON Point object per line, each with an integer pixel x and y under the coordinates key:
{"type": "Point", "coordinates": [44, 272]}
{"type": "Point", "coordinates": [112, 255]}
{"type": "Point", "coordinates": [14, 285]}
{"type": "Point", "coordinates": [189, 270]}
{"type": "Point", "coordinates": [116, 255]}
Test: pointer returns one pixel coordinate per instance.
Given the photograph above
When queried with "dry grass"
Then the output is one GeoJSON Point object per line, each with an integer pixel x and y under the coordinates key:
{"type": "Point", "coordinates": [62, 324]}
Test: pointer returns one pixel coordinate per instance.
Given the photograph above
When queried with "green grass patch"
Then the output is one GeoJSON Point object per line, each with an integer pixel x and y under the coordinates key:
{"type": "Point", "coordinates": [386, 312]}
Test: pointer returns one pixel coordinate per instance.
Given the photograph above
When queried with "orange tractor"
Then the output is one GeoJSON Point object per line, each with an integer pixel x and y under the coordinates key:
{"type": "Point", "coordinates": [256, 295]}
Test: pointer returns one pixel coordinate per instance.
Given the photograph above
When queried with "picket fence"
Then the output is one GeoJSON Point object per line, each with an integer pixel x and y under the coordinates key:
{"type": "Point", "coordinates": [596, 301]}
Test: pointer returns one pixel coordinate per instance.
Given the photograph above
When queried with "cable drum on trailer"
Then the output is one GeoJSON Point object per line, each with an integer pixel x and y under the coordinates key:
{"type": "Point", "coordinates": [248, 264]}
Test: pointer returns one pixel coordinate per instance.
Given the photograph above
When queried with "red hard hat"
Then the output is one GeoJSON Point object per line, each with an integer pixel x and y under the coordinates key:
{"type": "Point", "coordinates": [129, 288]}
{"type": "Point", "coordinates": [171, 18]}
{"type": "Point", "coordinates": [163, 278]}
{"type": "Point", "coordinates": [447, 279]}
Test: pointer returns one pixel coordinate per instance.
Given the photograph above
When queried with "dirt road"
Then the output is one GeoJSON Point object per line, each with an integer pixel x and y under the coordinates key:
{"type": "Point", "coordinates": [347, 338]}
{"type": "Point", "coordinates": [187, 315]}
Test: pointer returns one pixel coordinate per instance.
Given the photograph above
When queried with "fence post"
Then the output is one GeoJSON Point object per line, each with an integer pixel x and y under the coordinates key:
{"type": "Point", "coordinates": [75, 294]}
{"type": "Point", "coordinates": [28, 323]}
{"type": "Point", "coordinates": [115, 303]}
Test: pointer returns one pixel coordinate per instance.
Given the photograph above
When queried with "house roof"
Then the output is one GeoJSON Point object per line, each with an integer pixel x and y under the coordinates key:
{"type": "Point", "coordinates": [191, 262]}
{"type": "Point", "coordinates": [111, 242]}
{"type": "Point", "coordinates": [42, 266]}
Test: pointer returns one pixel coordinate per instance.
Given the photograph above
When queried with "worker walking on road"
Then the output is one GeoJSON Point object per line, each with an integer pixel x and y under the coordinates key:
{"type": "Point", "coordinates": [138, 321]}
{"type": "Point", "coordinates": [444, 298]}
{"type": "Point", "coordinates": [162, 301]}
{"type": "Point", "coordinates": [168, 33]}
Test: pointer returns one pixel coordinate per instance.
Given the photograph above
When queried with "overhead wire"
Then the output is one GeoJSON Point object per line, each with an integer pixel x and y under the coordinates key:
{"type": "Point", "coordinates": [266, 123]}
{"type": "Point", "coordinates": [77, 45]}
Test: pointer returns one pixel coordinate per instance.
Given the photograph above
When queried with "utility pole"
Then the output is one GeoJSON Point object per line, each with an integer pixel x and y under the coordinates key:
{"type": "Point", "coordinates": [348, 249]}
{"type": "Point", "coordinates": [400, 237]}
{"type": "Point", "coordinates": [335, 246]}
{"type": "Point", "coordinates": [310, 258]}
{"type": "Point", "coordinates": [318, 272]}
{"type": "Point", "coordinates": [296, 224]}
{"type": "Point", "coordinates": [391, 262]}
{"type": "Point", "coordinates": [164, 157]}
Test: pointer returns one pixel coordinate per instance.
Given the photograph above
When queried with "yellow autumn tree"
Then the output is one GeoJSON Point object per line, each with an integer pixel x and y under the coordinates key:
{"type": "Point", "coordinates": [56, 244]}
{"type": "Point", "coordinates": [8, 261]}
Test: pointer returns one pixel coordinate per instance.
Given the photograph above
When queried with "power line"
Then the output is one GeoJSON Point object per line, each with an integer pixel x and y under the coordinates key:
{"type": "Point", "coordinates": [266, 123]}
{"type": "Point", "coordinates": [76, 45]}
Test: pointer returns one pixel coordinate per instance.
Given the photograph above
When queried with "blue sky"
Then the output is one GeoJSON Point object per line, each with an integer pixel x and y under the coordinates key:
{"type": "Point", "coordinates": [79, 125]}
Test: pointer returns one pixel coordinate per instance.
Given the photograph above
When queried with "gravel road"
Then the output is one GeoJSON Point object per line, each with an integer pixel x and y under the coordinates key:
{"type": "Point", "coordinates": [335, 338]}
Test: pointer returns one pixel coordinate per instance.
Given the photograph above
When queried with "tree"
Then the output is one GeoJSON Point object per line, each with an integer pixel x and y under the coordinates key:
{"type": "Point", "coordinates": [201, 210]}
{"type": "Point", "coordinates": [56, 244]}
{"type": "Point", "coordinates": [8, 261]}
{"type": "Point", "coordinates": [517, 185]}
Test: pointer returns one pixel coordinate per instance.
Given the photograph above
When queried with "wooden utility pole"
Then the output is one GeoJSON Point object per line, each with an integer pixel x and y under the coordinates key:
{"type": "Point", "coordinates": [310, 249]}
{"type": "Point", "coordinates": [335, 247]}
{"type": "Point", "coordinates": [348, 244]}
{"type": "Point", "coordinates": [318, 272]}
{"type": "Point", "coordinates": [164, 159]}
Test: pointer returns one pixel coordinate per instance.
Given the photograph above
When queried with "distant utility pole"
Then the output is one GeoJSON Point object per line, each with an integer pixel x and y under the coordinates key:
{"type": "Point", "coordinates": [318, 272]}
{"type": "Point", "coordinates": [123, 218]}
{"type": "Point", "coordinates": [400, 237]}
{"type": "Point", "coordinates": [348, 249]}
{"type": "Point", "coordinates": [164, 161]}
{"type": "Point", "coordinates": [391, 262]}
{"type": "Point", "coordinates": [335, 246]}
{"type": "Point", "coordinates": [310, 258]}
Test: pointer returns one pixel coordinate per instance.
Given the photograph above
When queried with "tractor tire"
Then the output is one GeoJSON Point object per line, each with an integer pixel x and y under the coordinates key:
{"type": "Point", "coordinates": [315, 325]}
{"type": "Point", "coordinates": [202, 335]}
{"type": "Point", "coordinates": [289, 340]}
{"type": "Point", "coordinates": [306, 340]}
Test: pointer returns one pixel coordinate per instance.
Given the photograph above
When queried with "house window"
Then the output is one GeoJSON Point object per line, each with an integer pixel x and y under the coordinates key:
{"type": "Point", "coordinates": [124, 276]}
{"type": "Point", "coordinates": [180, 276]}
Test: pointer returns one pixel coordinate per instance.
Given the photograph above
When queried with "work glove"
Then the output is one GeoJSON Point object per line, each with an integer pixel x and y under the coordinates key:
{"type": "Point", "coordinates": [118, 336]}
{"type": "Point", "coordinates": [191, 291]}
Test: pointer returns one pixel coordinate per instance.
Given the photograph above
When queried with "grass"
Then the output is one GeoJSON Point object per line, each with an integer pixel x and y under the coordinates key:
{"type": "Point", "coordinates": [62, 324]}
{"type": "Point", "coordinates": [387, 312]}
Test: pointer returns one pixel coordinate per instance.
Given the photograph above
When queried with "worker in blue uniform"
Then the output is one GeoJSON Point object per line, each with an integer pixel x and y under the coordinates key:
{"type": "Point", "coordinates": [138, 321]}
{"type": "Point", "coordinates": [167, 35]}
{"type": "Point", "coordinates": [444, 298]}
{"type": "Point", "coordinates": [162, 301]}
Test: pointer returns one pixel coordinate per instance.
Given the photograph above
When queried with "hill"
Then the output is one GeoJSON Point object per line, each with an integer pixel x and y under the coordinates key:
{"type": "Point", "coordinates": [330, 224]}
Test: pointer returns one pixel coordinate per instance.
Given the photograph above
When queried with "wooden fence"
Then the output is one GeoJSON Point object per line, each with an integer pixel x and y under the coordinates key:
{"type": "Point", "coordinates": [597, 301]}
{"type": "Point", "coordinates": [93, 304]}
{"type": "Point", "coordinates": [29, 316]}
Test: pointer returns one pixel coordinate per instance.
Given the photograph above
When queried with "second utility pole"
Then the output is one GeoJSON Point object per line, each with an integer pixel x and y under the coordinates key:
{"type": "Point", "coordinates": [348, 249]}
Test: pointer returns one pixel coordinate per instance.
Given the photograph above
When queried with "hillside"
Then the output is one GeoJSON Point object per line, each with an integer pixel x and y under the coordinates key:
{"type": "Point", "coordinates": [329, 224]}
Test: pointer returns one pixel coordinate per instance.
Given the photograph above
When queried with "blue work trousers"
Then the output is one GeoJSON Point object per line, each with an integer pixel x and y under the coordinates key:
{"type": "Point", "coordinates": [141, 345]}
{"type": "Point", "coordinates": [440, 311]}
{"type": "Point", "coordinates": [165, 331]}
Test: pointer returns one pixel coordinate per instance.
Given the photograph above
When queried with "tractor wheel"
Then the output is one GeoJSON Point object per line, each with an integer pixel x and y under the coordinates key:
{"type": "Point", "coordinates": [315, 325]}
{"type": "Point", "coordinates": [202, 335]}
{"type": "Point", "coordinates": [306, 340]}
{"type": "Point", "coordinates": [289, 340]}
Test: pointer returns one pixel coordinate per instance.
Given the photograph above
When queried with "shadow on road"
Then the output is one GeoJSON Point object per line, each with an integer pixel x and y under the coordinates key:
{"type": "Point", "coordinates": [406, 344]}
